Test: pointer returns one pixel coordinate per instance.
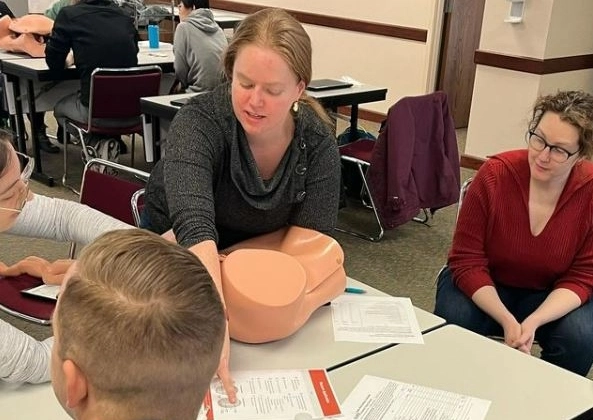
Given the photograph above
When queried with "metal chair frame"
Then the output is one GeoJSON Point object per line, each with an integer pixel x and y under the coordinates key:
{"type": "Point", "coordinates": [83, 129]}
{"type": "Point", "coordinates": [365, 194]}
{"type": "Point", "coordinates": [120, 169]}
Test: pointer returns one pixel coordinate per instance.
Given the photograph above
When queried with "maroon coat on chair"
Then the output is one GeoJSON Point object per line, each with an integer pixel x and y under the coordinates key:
{"type": "Point", "coordinates": [415, 162]}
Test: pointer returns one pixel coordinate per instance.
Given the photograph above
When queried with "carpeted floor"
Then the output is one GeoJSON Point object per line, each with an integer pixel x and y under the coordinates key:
{"type": "Point", "coordinates": [404, 263]}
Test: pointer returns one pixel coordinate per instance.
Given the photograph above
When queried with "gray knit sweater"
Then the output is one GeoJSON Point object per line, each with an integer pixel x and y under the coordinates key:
{"type": "Point", "coordinates": [208, 186]}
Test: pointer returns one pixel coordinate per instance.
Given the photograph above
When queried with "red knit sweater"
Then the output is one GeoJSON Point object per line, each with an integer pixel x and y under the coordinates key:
{"type": "Point", "coordinates": [493, 240]}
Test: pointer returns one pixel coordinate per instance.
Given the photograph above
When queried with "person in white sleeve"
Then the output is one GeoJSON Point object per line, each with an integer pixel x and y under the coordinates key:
{"type": "Point", "coordinates": [22, 358]}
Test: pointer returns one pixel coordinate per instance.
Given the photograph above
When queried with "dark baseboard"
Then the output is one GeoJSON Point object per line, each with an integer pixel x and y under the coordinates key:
{"type": "Point", "coordinates": [471, 162]}
{"type": "Point", "coordinates": [364, 114]}
{"type": "Point", "coordinates": [375, 28]}
{"type": "Point", "coordinates": [534, 65]}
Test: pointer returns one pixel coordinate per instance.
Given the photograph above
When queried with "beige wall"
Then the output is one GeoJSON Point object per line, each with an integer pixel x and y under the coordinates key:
{"type": "Point", "coordinates": [571, 29]}
{"type": "Point", "coordinates": [523, 39]}
{"type": "Point", "coordinates": [503, 98]}
{"type": "Point", "coordinates": [404, 67]}
{"type": "Point", "coordinates": [18, 7]}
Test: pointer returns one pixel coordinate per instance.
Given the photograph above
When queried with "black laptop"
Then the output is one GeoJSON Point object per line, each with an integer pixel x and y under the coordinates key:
{"type": "Point", "coordinates": [180, 101]}
{"type": "Point", "coordinates": [327, 84]}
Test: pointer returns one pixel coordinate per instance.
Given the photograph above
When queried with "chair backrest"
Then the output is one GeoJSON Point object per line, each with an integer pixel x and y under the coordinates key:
{"type": "Point", "coordinates": [415, 162]}
{"type": "Point", "coordinates": [116, 93]}
{"type": "Point", "coordinates": [111, 194]}
{"type": "Point", "coordinates": [105, 188]}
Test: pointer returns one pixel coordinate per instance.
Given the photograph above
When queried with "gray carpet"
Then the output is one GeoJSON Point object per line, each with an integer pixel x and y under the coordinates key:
{"type": "Point", "coordinates": [404, 263]}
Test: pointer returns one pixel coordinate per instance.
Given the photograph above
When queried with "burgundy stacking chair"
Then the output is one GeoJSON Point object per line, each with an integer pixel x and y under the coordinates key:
{"type": "Point", "coordinates": [14, 302]}
{"type": "Point", "coordinates": [412, 168]}
{"type": "Point", "coordinates": [360, 153]}
{"type": "Point", "coordinates": [115, 192]}
{"type": "Point", "coordinates": [114, 94]}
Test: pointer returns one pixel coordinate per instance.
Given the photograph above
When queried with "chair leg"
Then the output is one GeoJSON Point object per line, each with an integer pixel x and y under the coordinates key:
{"type": "Point", "coordinates": [72, 252]}
{"type": "Point", "coordinates": [379, 235]}
{"type": "Point", "coordinates": [133, 149]}
{"type": "Point", "coordinates": [424, 219]}
{"type": "Point", "coordinates": [66, 141]}
{"type": "Point", "coordinates": [65, 144]}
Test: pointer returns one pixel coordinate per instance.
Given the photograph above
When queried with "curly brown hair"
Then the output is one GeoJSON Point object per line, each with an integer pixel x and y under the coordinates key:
{"type": "Point", "coordinates": [574, 107]}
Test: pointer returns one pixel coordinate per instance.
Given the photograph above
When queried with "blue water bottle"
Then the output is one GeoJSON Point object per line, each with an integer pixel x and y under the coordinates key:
{"type": "Point", "coordinates": [153, 35]}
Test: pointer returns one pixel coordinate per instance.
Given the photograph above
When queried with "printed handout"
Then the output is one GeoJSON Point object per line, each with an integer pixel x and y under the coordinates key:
{"type": "Point", "coordinates": [375, 319]}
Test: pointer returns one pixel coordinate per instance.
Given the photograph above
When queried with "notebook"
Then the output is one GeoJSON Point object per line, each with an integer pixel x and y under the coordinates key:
{"type": "Point", "coordinates": [326, 84]}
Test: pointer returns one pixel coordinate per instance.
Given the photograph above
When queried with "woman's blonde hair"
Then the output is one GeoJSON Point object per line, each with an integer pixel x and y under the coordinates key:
{"type": "Point", "coordinates": [574, 107]}
{"type": "Point", "coordinates": [279, 31]}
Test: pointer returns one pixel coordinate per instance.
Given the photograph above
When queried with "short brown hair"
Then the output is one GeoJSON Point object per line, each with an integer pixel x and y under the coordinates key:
{"type": "Point", "coordinates": [142, 319]}
{"type": "Point", "coordinates": [574, 107]}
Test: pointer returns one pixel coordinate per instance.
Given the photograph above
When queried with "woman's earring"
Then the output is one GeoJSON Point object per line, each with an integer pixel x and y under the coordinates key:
{"type": "Point", "coordinates": [295, 107]}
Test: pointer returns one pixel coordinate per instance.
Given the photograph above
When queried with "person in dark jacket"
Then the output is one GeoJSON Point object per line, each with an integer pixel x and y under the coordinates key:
{"type": "Point", "coordinates": [5, 10]}
{"type": "Point", "coordinates": [99, 34]}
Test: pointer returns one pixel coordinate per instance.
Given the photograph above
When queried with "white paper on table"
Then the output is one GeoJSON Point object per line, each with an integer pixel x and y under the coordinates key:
{"type": "Point", "coordinates": [274, 395]}
{"type": "Point", "coordinates": [383, 399]}
{"type": "Point", "coordinates": [46, 291]}
{"type": "Point", "coordinates": [375, 319]}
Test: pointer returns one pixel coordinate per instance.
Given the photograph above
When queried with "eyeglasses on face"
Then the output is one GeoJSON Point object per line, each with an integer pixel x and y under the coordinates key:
{"type": "Point", "coordinates": [539, 144]}
{"type": "Point", "coordinates": [27, 163]}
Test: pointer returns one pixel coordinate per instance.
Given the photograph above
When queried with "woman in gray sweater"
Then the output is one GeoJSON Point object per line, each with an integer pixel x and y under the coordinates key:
{"type": "Point", "coordinates": [22, 358]}
{"type": "Point", "coordinates": [252, 156]}
{"type": "Point", "coordinates": [198, 46]}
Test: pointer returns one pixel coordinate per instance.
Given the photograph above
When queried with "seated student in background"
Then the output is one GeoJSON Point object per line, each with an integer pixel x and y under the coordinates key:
{"type": "Point", "coordinates": [99, 34]}
{"type": "Point", "coordinates": [23, 359]}
{"type": "Point", "coordinates": [198, 45]}
{"type": "Point", "coordinates": [138, 331]}
{"type": "Point", "coordinates": [5, 10]}
{"type": "Point", "coordinates": [250, 157]}
{"type": "Point", "coordinates": [52, 11]}
{"type": "Point", "coordinates": [521, 264]}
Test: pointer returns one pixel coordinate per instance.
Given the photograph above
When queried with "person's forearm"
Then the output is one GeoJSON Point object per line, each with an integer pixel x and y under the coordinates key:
{"type": "Point", "coordinates": [207, 252]}
{"type": "Point", "coordinates": [557, 304]}
{"type": "Point", "coordinates": [23, 359]}
{"type": "Point", "coordinates": [487, 299]}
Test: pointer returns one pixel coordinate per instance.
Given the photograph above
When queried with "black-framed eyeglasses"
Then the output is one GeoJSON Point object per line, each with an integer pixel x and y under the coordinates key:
{"type": "Point", "coordinates": [539, 144]}
{"type": "Point", "coordinates": [27, 163]}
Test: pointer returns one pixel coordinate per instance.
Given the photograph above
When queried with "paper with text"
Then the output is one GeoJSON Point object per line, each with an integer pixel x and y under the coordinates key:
{"type": "Point", "coordinates": [375, 319]}
{"type": "Point", "coordinates": [274, 395]}
{"type": "Point", "coordinates": [377, 398]}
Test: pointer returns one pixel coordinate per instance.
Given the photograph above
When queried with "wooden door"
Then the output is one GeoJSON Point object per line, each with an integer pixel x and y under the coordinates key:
{"type": "Point", "coordinates": [461, 37]}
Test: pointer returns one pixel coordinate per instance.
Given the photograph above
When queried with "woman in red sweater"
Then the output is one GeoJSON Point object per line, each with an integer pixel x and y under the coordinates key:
{"type": "Point", "coordinates": [521, 263]}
